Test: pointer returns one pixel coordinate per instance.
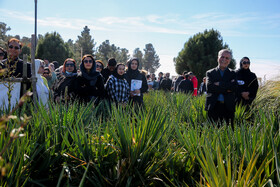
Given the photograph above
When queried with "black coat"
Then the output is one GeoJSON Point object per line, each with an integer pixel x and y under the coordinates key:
{"type": "Point", "coordinates": [106, 74]}
{"type": "Point", "coordinates": [247, 82]}
{"type": "Point", "coordinates": [85, 92]}
{"type": "Point", "coordinates": [227, 87]}
{"type": "Point", "coordinates": [165, 84]}
{"type": "Point", "coordinates": [60, 86]}
{"type": "Point", "coordinates": [137, 76]}
{"type": "Point", "coordinates": [177, 82]}
{"type": "Point", "coordinates": [185, 86]}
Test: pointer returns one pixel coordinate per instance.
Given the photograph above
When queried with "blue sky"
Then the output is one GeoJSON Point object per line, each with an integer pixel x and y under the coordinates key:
{"type": "Point", "coordinates": [250, 28]}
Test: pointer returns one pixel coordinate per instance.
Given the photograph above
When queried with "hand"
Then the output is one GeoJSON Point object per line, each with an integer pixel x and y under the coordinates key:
{"type": "Point", "coordinates": [245, 95]}
{"type": "Point", "coordinates": [131, 93]}
{"type": "Point", "coordinates": [137, 92]}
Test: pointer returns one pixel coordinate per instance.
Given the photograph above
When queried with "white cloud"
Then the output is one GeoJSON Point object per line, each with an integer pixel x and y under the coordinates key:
{"type": "Point", "coordinates": [228, 24]}
{"type": "Point", "coordinates": [266, 69]}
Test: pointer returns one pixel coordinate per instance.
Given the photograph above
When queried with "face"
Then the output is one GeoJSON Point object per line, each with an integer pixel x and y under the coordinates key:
{"type": "Point", "coordinates": [120, 69]}
{"type": "Point", "coordinates": [134, 65]}
{"type": "Point", "coordinates": [14, 49]}
{"type": "Point", "coordinates": [69, 66]}
{"type": "Point", "coordinates": [159, 75]}
{"type": "Point", "coordinates": [245, 64]}
{"type": "Point", "coordinates": [98, 67]}
{"type": "Point", "coordinates": [111, 68]}
{"type": "Point", "coordinates": [224, 60]}
{"type": "Point", "coordinates": [88, 62]}
{"type": "Point", "coordinates": [51, 66]}
{"type": "Point", "coordinates": [46, 73]}
{"type": "Point", "coordinates": [153, 76]}
{"type": "Point", "coordinates": [41, 69]}
{"type": "Point", "coordinates": [167, 75]}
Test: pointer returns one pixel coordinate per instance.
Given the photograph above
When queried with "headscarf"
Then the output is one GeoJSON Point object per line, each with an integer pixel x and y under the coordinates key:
{"type": "Point", "coordinates": [132, 74]}
{"type": "Point", "coordinates": [92, 74]}
{"type": "Point", "coordinates": [115, 72]}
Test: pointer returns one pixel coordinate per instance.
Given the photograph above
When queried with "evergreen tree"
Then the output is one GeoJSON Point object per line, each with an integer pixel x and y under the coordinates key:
{"type": "Point", "coordinates": [3, 37]}
{"type": "Point", "coordinates": [53, 48]}
{"type": "Point", "coordinates": [85, 42]}
{"type": "Point", "coordinates": [151, 59]}
{"type": "Point", "coordinates": [200, 53]}
{"type": "Point", "coordinates": [104, 52]}
{"type": "Point", "coordinates": [122, 55]}
{"type": "Point", "coordinates": [137, 53]}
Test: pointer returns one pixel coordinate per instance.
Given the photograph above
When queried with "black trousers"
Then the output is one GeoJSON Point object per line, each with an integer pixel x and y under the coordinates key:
{"type": "Point", "coordinates": [220, 113]}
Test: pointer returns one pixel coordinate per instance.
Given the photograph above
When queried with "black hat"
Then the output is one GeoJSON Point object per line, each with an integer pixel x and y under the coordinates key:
{"type": "Point", "coordinates": [112, 62]}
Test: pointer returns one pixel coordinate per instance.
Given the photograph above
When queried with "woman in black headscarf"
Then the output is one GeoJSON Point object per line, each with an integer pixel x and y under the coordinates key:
{"type": "Point", "coordinates": [137, 82]}
{"type": "Point", "coordinates": [117, 87]}
{"type": "Point", "coordinates": [247, 83]}
{"type": "Point", "coordinates": [89, 81]}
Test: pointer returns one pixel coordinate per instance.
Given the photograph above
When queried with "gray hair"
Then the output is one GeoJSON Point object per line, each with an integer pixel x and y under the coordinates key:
{"type": "Point", "coordinates": [225, 50]}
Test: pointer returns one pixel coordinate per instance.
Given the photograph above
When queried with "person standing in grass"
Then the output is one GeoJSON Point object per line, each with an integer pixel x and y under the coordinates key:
{"type": "Point", "coordinates": [13, 65]}
{"type": "Point", "coordinates": [117, 87]}
{"type": "Point", "coordinates": [186, 85]}
{"type": "Point", "coordinates": [106, 72]}
{"type": "Point", "coordinates": [166, 83]}
{"type": "Point", "coordinates": [42, 87]}
{"type": "Point", "coordinates": [193, 78]}
{"type": "Point", "coordinates": [137, 82]}
{"type": "Point", "coordinates": [65, 86]}
{"type": "Point", "coordinates": [89, 81]}
{"type": "Point", "coordinates": [221, 86]}
{"type": "Point", "coordinates": [202, 87]}
{"type": "Point", "coordinates": [247, 83]}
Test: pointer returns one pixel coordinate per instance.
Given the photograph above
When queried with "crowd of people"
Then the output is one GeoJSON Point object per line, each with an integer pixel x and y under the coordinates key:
{"type": "Point", "coordinates": [122, 83]}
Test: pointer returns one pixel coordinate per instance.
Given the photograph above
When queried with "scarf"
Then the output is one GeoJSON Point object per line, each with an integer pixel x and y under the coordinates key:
{"type": "Point", "coordinates": [118, 76]}
{"type": "Point", "coordinates": [92, 75]}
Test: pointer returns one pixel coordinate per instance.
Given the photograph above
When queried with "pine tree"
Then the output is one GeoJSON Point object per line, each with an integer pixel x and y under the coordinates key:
{"type": "Point", "coordinates": [200, 53]}
{"type": "Point", "coordinates": [151, 59]}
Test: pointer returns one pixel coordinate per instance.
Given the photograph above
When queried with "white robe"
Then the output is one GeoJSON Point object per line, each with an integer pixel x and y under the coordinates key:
{"type": "Point", "coordinates": [41, 88]}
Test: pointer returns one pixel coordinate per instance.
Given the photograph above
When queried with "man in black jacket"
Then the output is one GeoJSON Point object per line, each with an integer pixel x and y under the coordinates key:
{"type": "Point", "coordinates": [166, 83]}
{"type": "Point", "coordinates": [221, 86]}
{"type": "Point", "coordinates": [106, 72]}
{"type": "Point", "coordinates": [14, 65]}
{"type": "Point", "coordinates": [186, 85]}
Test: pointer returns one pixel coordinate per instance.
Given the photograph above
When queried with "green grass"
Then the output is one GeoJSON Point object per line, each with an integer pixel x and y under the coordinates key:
{"type": "Point", "coordinates": [169, 143]}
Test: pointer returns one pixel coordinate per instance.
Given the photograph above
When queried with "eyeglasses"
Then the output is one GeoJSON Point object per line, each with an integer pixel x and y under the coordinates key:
{"type": "Point", "coordinates": [99, 66]}
{"type": "Point", "coordinates": [246, 62]}
{"type": "Point", "coordinates": [88, 61]}
{"type": "Point", "coordinates": [2, 54]}
{"type": "Point", "coordinates": [46, 73]}
{"type": "Point", "coordinates": [69, 65]}
{"type": "Point", "coordinates": [15, 47]}
{"type": "Point", "coordinates": [227, 58]}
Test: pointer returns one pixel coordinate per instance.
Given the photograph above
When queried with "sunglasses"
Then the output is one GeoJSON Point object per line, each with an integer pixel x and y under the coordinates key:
{"type": "Point", "coordinates": [69, 65]}
{"type": "Point", "coordinates": [46, 73]}
{"type": "Point", "coordinates": [244, 62]}
{"type": "Point", "coordinates": [2, 54]}
{"type": "Point", "coordinates": [99, 66]}
{"type": "Point", "coordinates": [15, 47]}
{"type": "Point", "coordinates": [88, 61]}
